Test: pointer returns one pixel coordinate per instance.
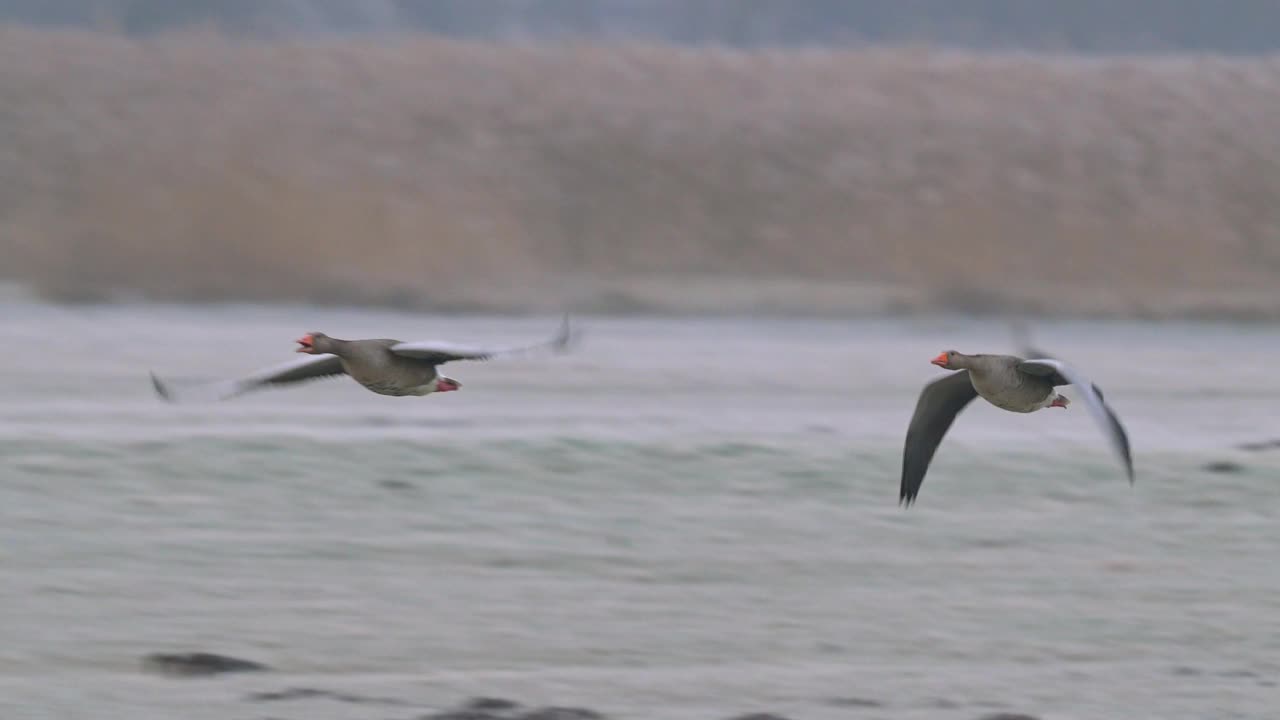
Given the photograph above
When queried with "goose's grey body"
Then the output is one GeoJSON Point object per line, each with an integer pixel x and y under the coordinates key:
{"type": "Point", "coordinates": [998, 380]}
{"type": "Point", "coordinates": [381, 365]}
{"type": "Point", "coordinates": [1008, 382]}
{"type": "Point", "coordinates": [375, 365]}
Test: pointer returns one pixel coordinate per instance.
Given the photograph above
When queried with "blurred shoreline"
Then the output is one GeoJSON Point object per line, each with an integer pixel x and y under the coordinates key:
{"type": "Point", "coordinates": [420, 172]}
{"type": "Point", "coordinates": [709, 296]}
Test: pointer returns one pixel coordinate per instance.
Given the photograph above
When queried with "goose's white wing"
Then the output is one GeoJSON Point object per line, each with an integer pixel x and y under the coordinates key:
{"type": "Point", "coordinates": [438, 352]}
{"type": "Point", "coordinates": [1098, 409]}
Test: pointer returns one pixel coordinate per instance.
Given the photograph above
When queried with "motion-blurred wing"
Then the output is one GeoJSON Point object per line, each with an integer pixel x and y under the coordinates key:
{"type": "Point", "coordinates": [1021, 331]}
{"type": "Point", "coordinates": [439, 352]}
{"type": "Point", "coordinates": [294, 371]}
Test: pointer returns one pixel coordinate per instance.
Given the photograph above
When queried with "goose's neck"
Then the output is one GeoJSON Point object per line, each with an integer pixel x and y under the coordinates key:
{"type": "Point", "coordinates": [335, 346]}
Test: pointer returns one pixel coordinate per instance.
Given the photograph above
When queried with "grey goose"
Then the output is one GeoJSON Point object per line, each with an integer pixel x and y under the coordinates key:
{"type": "Point", "coordinates": [1010, 383]}
{"type": "Point", "coordinates": [384, 366]}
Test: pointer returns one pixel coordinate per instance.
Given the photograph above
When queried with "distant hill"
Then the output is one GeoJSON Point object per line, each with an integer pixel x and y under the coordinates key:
{"type": "Point", "coordinates": [1126, 26]}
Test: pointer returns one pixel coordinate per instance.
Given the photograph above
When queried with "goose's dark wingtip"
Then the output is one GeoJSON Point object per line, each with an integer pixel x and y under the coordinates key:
{"type": "Point", "coordinates": [565, 337]}
{"type": "Point", "coordinates": [162, 390]}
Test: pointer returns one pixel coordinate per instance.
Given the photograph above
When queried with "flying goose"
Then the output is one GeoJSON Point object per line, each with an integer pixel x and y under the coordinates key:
{"type": "Point", "coordinates": [1006, 381]}
{"type": "Point", "coordinates": [386, 367]}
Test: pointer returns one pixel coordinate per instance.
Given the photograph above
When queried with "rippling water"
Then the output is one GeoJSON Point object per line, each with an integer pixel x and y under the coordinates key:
{"type": "Point", "coordinates": [682, 519]}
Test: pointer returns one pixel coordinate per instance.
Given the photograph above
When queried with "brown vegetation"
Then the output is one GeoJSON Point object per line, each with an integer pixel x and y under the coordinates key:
{"type": "Point", "coordinates": [421, 170]}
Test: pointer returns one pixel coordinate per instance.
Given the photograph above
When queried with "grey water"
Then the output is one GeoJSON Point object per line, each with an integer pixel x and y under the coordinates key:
{"type": "Point", "coordinates": [683, 518]}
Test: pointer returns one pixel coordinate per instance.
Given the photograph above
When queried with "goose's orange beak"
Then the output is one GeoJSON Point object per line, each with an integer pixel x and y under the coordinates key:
{"type": "Point", "coordinates": [940, 361]}
{"type": "Point", "coordinates": [305, 344]}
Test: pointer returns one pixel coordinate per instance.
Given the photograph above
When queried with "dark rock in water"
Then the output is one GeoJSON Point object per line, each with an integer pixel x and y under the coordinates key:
{"type": "Point", "coordinates": [562, 713]}
{"type": "Point", "coordinates": [1224, 466]}
{"type": "Point", "coordinates": [481, 708]}
{"type": "Point", "coordinates": [855, 702]}
{"type": "Point", "coordinates": [492, 704]}
{"type": "Point", "coordinates": [1263, 445]}
{"type": "Point", "coordinates": [1008, 716]}
{"type": "Point", "coordinates": [500, 709]}
{"type": "Point", "coordinates": [397, 484]}
{"type": "Point", "coordinates": [290, 694]}
{"type": "Point", "coordinates": [191, 664]}
{"type": "Point", "coordinates": [305, 693]}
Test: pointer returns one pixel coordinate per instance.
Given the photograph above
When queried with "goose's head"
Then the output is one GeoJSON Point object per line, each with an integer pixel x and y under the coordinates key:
{"type": "Point", "coordinates": [947, 360]}
{"type": "Point", "coordinates": [313, 343]}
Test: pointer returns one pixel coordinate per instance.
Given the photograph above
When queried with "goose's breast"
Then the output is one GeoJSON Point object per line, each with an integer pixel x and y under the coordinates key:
{"type": "Point", "coordinates": [392, 378]}
{"type": "Point", "coordinates": [1022, 395]}
{"type": "Point", "coordinates": [396, 390]}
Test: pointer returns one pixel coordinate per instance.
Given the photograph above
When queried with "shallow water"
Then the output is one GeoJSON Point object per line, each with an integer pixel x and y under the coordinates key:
{"type": "Point", "coordinates": [682, 519]}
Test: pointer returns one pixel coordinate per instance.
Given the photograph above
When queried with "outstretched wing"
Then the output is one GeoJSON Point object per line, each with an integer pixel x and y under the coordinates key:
{"type": "Point", "coordinates": [939, 403]}
{"type": "Point", "coordinates": [1064, 374]}
{"type": "Point", "coordinates": [295, 371]}
{"type": "Point", "coordinates": [438, 352]}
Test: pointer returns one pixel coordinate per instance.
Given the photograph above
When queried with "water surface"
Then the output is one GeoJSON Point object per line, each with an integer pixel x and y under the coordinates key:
{"type": "Point", "coordinates": [686, 518]}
